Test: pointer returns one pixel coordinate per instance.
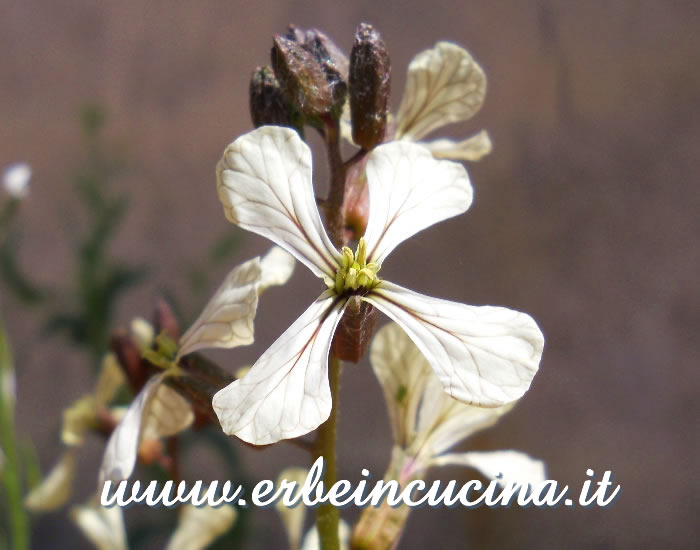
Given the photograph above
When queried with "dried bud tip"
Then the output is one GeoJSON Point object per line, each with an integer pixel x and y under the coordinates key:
{"type": "Point", "coordinates": [370, 87]}
{"type": "Point", "coordinates": [267, 103]}
{"type": "Point", "coordinates": [307, 76]}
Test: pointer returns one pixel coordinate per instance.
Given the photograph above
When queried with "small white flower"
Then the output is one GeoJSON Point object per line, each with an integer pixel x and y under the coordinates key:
{"type": "Point", "coordinates": [426, 422]}
{"type": "Point", "coordinates": [158, 411]}
{"type": "Point", "coordinates": [15, 180]}
{"type": "Point", "coordinates": [486, 356]}
{"type": "Point", "coordinates": [56, 487]}
{"type": "Point", "coordinates": [197, 528]}
{"type": "Point", "coordinates": [104, 527]}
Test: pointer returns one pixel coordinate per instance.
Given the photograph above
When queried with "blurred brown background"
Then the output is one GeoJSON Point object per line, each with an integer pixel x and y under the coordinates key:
{"type": "Point", "coordinates": [585, 216]}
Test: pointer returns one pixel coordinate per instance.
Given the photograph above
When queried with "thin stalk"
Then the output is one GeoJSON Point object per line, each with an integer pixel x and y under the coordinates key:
{"type": "Point", "coordinates": [11, 476]}
{"type": "Point", "coordinates": [336, 195]}
{"type": "Point", "coordinates": [327, 516]}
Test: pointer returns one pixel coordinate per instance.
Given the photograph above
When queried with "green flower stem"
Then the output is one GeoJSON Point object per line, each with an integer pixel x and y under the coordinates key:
{"type": "Point", "coordinates": [327, 516]}
{"type": "Point", "coordinates": [11, 477]}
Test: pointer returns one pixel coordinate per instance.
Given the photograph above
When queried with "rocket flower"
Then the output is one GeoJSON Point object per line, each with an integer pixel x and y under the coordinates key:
{"type": "Point", "coordinates": [485, 356]}
{"type": "Point", "coordinates": [426, 422]}
{"type": "Point", "coordinates": [90, 412]}
{"type": "Point", "coordinates": [158, 410]}
{"type": "Point", "coordinates": [196, 529]}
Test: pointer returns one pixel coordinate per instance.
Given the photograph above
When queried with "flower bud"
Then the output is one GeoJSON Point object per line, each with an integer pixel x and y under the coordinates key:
{"type": "Point", "coordinates": [307, 76]}
{"type": "Point", "coordinates": [164, 320]}
{"type": "Point", "coordinates": [370, 86]}
{"type": "Point", "coordinates": [267, 103]}
{"type": "Point", "coordinates": [335, 65]}
{"type": "Point", "coordinates": [315, 40]}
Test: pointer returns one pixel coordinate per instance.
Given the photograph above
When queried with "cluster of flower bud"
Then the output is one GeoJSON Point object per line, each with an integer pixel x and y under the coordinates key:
{"type": "Point", "coordinates": [310, 79]}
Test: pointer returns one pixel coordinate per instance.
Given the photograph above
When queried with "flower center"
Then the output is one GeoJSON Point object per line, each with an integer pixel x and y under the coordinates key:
{"type": "Point", "coordinates": [355, 273]}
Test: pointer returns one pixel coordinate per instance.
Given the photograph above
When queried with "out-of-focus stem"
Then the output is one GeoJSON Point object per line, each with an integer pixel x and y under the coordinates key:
{"type": "Point", "coordinates": [327, 515]}
{"type": "Point", "coordinates": [11, 475]}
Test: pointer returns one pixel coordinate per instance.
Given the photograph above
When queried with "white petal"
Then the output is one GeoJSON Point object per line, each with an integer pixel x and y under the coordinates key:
{"type": "Point", "coordinates": [227, 320]}
{"type": "Point", "coordinates": [292, 518]}
{"type": "Point", "coordinates": [409, 190]}
{"type": "Point", "coordinates": [55, 489]}
{"type": "Point", "coordinates": [443, 85]}
{"type": "Point", "coordinates": [276, 268]}
{"type": "Point", "coordinates": [513, 466]}
{"type": "Point", "coordinates": [199, 527]}
{"type": "Point", "coordinates": [168, 413]}
{"type": "Point", "coordinates": [457, 421]}
{"type": "Point", "coordinates": [111, 379]}
{"type": "Point", "coordinates": [264, 183]}
{"type": "Point", "coordinates": [313, 542]}
{"type": "Point", "coordinates": [402, 372]}
{"type": "Point", "coordinates": [471, 149]}
{"type": "Point", "coordinates": [157, 411]}
{"type": "Point", "coordinates": [104, 527]}
{"type": "Point", "coordinates": [286, 393]}
{"type": "Point", "coordinates": [484, 356]}
{"type": "Point", "coordinates": [78, 419]}
{"type": "Point", "coordinates": [15, 179]}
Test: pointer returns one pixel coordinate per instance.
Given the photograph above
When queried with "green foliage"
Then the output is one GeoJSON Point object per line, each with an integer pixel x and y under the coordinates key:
{"type": "Point", "coordinates": [83, 309]}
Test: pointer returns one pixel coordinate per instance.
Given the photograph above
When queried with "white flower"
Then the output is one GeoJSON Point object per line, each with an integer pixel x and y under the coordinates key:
{"type": "Point", "coordinates": [15, 180]}
{"type": "Point", "coordinates": [426, 422]}
{"type": "Point", "coordinates": [55, 489]}
{"type": "Point", "coordinates": [104, 527]}
{"type": "Point", "coordinates": [197, 528]}
{"type": "Point", "coordinates": [158, 411]}
{"type": "Point", "coordinates": [444, 85]}
{"type": "Point", "coordinates": [486, 356]}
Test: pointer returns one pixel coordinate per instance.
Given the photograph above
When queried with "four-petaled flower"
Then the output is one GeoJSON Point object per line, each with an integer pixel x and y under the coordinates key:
{"type": "Point", "coordinates": [486, 356]}
{"type": "Point", "coordinates": [226, 322]}
{"type": "Point", "coordinates": [426, 422]}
